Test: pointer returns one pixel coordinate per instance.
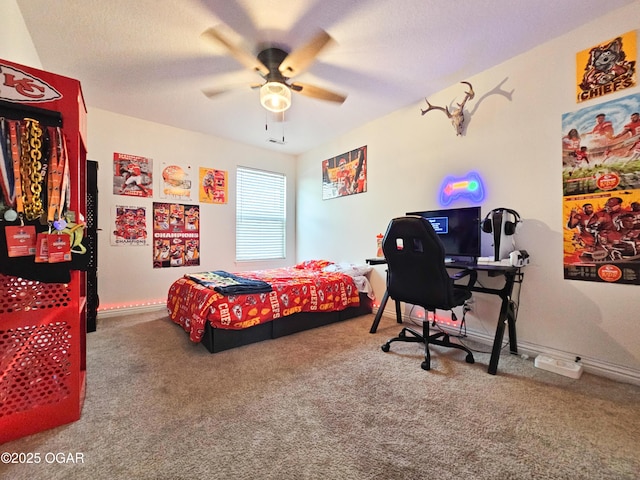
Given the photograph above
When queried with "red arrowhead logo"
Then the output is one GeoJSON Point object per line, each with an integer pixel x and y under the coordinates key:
{"type": "Point", "coordinates": [20, 87]}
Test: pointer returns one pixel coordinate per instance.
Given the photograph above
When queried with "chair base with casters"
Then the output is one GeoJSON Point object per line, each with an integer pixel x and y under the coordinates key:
{"type": "Point", "coordinates": [440, 338]}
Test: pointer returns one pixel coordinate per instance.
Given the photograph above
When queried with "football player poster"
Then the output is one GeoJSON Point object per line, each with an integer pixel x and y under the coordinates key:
{"type": "Point", "coordinates": [213, 186]}
{"type": "Point", "coordinates": [601, 192]}
{"type": "Point", "coordinates": [345, 174]}
{"type": "Point", "coordinates": [130, 226]}
{"type": "Point", "coordinates": [176, 235]}
{"type": "Point", "coordinates": [132, 175]}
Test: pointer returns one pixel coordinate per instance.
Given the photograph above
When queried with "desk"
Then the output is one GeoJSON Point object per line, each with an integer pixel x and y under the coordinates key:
{"type": "Point", "coordinates": [507, 316]}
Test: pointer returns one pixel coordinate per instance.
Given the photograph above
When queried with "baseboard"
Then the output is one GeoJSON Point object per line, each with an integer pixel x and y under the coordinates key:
{"type": "Point", "coordinates": [619, 373]}
{"type": "Point", "coordinates": [594, 366]}
{"type": "Point", "coordinates": [117, 312]}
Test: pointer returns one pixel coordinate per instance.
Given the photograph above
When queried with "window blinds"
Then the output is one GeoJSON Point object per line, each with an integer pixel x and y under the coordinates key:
{"type": "Point", "coordinates": [260, 215]}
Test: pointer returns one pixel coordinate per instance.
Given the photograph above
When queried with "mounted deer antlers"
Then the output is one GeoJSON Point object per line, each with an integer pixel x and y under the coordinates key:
{"type": "Point", "coordinates": [457, 116]}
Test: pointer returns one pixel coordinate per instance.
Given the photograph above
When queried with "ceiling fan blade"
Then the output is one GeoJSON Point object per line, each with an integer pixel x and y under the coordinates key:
{"type": "Point", "coordinates": [215, 91]}
{"type": "Point", "coordinates": [300, 59]}
{"type": "Point", "coordinates": [317, 92]}
{"type": "Point", "coordinates": [240, 54]}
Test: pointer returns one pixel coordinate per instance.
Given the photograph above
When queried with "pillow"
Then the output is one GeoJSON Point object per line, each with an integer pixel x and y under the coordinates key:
{"type": "Point", "coordinates": [350, 269]}
{"type": "Point", "coordinates": [313, 264]}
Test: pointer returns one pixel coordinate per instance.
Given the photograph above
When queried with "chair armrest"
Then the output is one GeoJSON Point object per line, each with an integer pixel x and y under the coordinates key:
{"type": "Point", "coordinates": [472, 274]}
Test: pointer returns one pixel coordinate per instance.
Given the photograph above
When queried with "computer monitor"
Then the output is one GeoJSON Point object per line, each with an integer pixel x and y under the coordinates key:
{"type": "Point", "coordinates": [458, 229]}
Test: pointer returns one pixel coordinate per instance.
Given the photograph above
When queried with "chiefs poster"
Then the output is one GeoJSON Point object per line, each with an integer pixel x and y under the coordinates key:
{"type": "Point", "coordinates": [345, 174]}
{"type": "Point", "coordinates": [601, 192]}
{"type": "Point", "coordinates": [130, 226]}
{"type": "Point", "coordinates": [176, 181]}
{"type": "Point", "coordinates": [132, 175]}
{"type": "Point", "coordinates": [213, 186]}
{"type": "Point", "coordinates": [606, 68]}
{"type": "Point", "coordinates": [176, 235]}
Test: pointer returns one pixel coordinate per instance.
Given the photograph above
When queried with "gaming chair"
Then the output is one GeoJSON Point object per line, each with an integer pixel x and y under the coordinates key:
{"type": "Point", "coordinates": [417, 275]}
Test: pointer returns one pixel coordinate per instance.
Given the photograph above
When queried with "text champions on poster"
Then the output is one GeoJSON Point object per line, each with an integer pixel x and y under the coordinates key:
{"type": "Point", "coordinates": [129, 226]}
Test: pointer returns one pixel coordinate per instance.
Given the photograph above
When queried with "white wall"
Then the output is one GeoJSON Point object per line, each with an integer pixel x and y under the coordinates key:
{"type": "Point", "coordinates": [15, 41]}
{"type": "Point", "coordinates": [125, 274]}
{"type": "Point", "coordinates": [515, 144]}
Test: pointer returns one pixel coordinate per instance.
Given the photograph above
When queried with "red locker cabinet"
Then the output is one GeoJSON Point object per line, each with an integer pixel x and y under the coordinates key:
{"type": "Point", "coordinates": [42, 320]}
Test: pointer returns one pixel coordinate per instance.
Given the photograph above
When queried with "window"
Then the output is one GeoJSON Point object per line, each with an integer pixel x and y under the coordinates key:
{"type": "Point", "coordinates": [260, 215]}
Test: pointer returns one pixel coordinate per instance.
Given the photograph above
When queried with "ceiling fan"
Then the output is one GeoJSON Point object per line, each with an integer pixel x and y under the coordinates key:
{"type": "Point", "coordinates": [277, 67]}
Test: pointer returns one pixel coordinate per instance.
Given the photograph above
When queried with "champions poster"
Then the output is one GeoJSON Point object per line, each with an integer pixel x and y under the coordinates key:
{"type": "Point", "coordinates": [345, 174]}
{"type": "Point", "coordinates": [601, 192]}
{"type": "Point", "coordinates": [130, 226]}
{"type": "Point", "coordinates": [176, 235]}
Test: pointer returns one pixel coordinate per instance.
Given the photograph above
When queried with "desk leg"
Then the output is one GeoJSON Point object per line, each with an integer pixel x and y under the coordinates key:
{"type": "Point", "coordinates": [511, 322]}
{"type": "Point", "coordinates": [383, 304]}
{"type": "Point", "coordinates": [507, 318]}
{"type": "Point", "coordinates": [495, 351]}
{"type": "Point", "coordinates": [497, 341]}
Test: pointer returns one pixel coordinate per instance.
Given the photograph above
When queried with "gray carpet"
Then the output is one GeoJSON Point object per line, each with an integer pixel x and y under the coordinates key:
{"type": "Point", "coordinates": [329, 404]}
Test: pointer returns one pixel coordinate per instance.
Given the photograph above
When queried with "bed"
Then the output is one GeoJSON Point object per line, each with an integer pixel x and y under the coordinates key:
{"type": "Point", "coordinates": [225, 310]}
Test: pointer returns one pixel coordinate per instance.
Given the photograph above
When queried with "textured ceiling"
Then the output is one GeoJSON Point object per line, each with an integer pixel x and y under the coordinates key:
{"type": "Point", "coordinates": [146, 58]}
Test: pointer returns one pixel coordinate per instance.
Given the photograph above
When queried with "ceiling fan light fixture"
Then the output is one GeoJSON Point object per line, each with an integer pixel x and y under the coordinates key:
{"type": "Point", "coordinates": [275, 96]}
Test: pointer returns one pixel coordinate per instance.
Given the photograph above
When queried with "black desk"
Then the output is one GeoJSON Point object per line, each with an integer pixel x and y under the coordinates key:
{"type": "Point", "coordinates": [507, 316]}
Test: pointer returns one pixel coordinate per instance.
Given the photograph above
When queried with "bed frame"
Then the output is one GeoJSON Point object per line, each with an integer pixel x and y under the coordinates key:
{"type": "Point", "coordinates": [218, 339]}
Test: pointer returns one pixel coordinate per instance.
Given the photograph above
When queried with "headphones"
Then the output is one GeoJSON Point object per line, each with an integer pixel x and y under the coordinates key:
{"type": "Point", "coordinates": [509, 227]}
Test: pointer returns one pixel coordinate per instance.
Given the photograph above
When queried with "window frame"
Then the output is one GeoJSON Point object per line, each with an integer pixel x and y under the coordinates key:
{"type": "Point", "coordinates": [261, 213]}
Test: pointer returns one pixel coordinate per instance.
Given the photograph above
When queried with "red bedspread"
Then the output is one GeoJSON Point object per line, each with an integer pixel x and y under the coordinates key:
{"type": "Point", "coordinates": [295, 289]}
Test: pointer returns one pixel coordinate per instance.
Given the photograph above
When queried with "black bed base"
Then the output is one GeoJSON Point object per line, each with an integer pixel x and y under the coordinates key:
{"type": "Point", "coordinates": [218, 339]}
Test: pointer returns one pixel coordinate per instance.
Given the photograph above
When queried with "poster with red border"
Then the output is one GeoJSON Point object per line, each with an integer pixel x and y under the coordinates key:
{"type": "Point", "coordinates": [176, 235]}
{"type": "Point", "coordinates": [132, 175]}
